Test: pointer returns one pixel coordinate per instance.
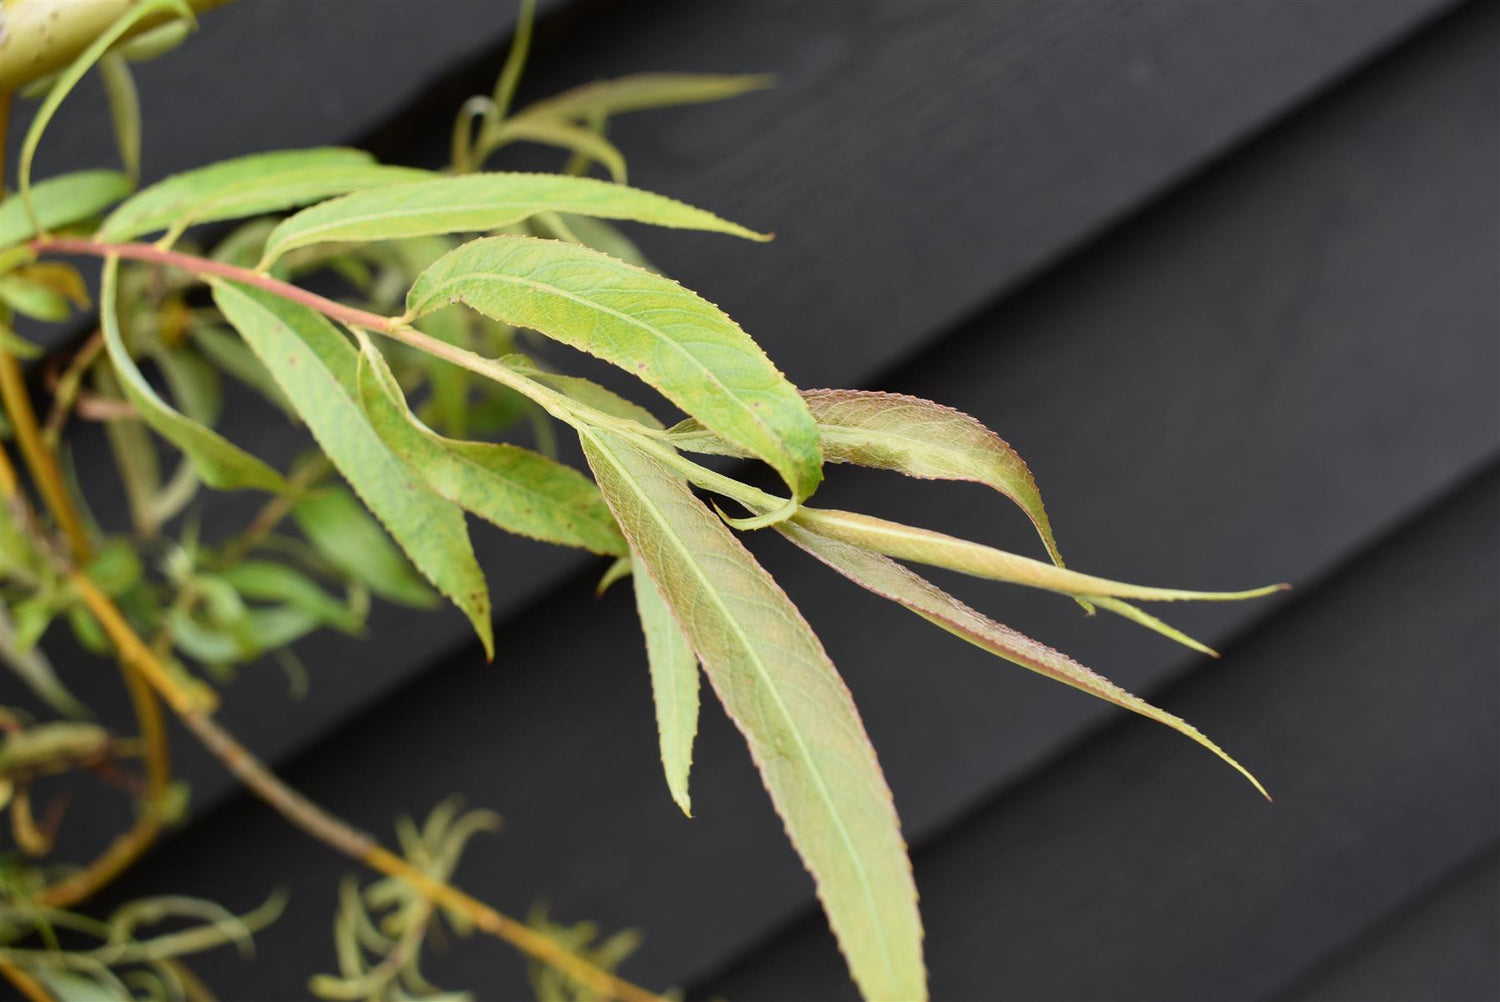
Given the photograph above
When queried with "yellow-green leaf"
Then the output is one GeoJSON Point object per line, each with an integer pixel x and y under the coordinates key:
{"type": "Point", "coordinates": [564, 134]}
{"type": "Point", "coordinates": [648, 325]}
{"type": "Point", "coordinates": [794, 710]}
{"type": "Point", "coordinates": [890, 580]}
{"type": "Point", "coordinates": [916, 437]}
{"type": "Point", "coordinates": [905, 542]}
{"type": "Point", "coordinates": [245, 186]}
{"type": "Point", "coordinates": [644, 90]}
{"type": "Point", "coordinates": [519, 490]}
{"type": "Point", "coordinates": [348, 537]}
{"type": "Point", "coordinates": [219, 462]}
{"type": "Point", "coordinates": [316, 367]}
{"type": "Point", "coordinates": [674, 686]}
{"type": "Point", "coordinates": [477, 202]}
{"type": "Point", "coordinates": [271, 582]}
{"type": "Point", "coordinates": [61, 201]}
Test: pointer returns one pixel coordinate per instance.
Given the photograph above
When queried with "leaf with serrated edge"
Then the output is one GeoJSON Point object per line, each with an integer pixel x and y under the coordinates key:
{"type": "Point", "coordinates": [60, 201]}
{"type": "Point", "coordinates": [923, 546]}
{"type": "Point", "coordinates": [912, 436]}
{"type": "Point", "coordinates": [316, 367]}
{"type": "Point", "coordinates": [641, 91]}
{"type": "Point", "coordinates": [674, 686]}
{"type": "Point", "coordinates": [219, 462]}
{"type": "Point", "coordinates": [519, 490]}
{"type": "Point", "coordinates": [794, 710]}
{"type": "Point", "coordinates": [890, 580]}
{"type": "Point", "coordinates": [648, 325]}
{"type": "Point", "coordinates": [482, 202]}
{"type": "Point", "coordinates": [246, 186]}
{"type": "Point", "coordinates": [345, 534]}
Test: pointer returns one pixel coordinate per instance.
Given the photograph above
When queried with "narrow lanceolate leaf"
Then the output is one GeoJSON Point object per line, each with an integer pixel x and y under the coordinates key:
{"type": "Point", "coordinates": [61, 201]}
{"type": "Point", "coordinates": [245, 186]}
{"type": "Point", "coordinates": [271, 582]}
{"type": "Point", "coordinates": [674, 686]}
{"type": "Point", "coordinates": [30, 664]}
{"type": "Point", "coordinates": [890, 580]}
{"type": "Point", "coordinates": [219, 462]}
{"type": "Point", "coordinates": [584, 391]}
{"type": "Point", "coordinates": [482, 202]}
{"type": "Point", "coordinates": [779, 687]}
{"type": "Point", "coordinates": [316, 367]}
{"type": "Point", "coordinates": [519, 490]}
{"type": "Point", "coordinates": [565, 135]}
{"type": "Point", "coordinates": [648, 325]}
{"type": "Point", "coordinates": [924, 546]}
{"type": "Point", "coordinates": [641, 91]}
{"type": "Point", "coordinates": [344, 533]}
{"type": "Point", "coordinates": [916, 437]}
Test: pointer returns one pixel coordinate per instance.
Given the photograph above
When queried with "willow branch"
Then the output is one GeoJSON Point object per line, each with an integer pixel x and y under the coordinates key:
{"type": "Point", "coordinates": [39, 459]}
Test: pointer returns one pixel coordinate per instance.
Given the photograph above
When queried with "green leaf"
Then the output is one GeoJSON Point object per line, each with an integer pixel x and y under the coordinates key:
{"type": "Point", "coordinates": [563, 134]}
{"type": "Point", "coordinates": [124, 109]}
{"type": "Point", "coordinates": [644, 90]}
{"type": "Point", "coordinates": [598, 234]}
{"type": "Point", "coordinates": [245, 186]}
{"type": "Point", "coordinates": [482, 202]}
{"type": "Point", "coordinates": [340, 529]}
{"type": "Point", "coordinates": [584, 391]}
{"type": "Point", "coordinates": [271, 582]}
{"type": "Point", "coordinates": [905, 542]}
{"type": "Point", "coordinates": [890, 580]}
{"type": "Point", "coordinates": [61, 201]}
{"type": "Point", "coordinates": [909, 435]}
{"type": "Point", "coordinates": [779, 687]}
{"type": "Point", "coordinates": [674, 686]}
{"type": "Point", "coordinates": [317, 368]}
{"type": "Point", "coordinates": [31, 666]}
{"type": "Point", "coordinates": [646, 324]}
{"type": "Point", "coordinates": [31, 300]}
{"type": "Point", "coordinates": [230, 354]}
{"type": "Point", "coordinates": [519, 490]}
{"type": "Point", "coordinates": [220, 463]}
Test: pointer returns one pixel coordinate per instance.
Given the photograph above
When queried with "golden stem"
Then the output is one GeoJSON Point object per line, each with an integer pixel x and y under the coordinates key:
{"type": "Point", "coordinates": [39, 458]}
{"type": "Point", "coordinates": [30, 989]}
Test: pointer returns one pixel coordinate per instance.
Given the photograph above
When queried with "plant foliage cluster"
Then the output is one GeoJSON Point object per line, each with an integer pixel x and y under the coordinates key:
{"type": "Point", "coordinates": [449, 285]}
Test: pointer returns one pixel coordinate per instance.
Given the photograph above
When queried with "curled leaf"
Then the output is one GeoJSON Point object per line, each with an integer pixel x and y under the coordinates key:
{"type": "Point", "coordinates": [641, 91]}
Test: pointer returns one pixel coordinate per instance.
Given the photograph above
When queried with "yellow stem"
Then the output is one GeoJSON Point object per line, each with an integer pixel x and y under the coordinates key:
{"type": "Point", "coordinates": [39, 459]}
{"type": "Point", "coordinates": [30, 989]}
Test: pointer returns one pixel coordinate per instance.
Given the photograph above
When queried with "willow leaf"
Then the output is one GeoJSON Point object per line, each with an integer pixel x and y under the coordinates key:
{"type": "Point", "coordinates": [584, 391]}
{"type": "Point", "coordinates": [245, 186]}
{"type": "Point", "coordinates": [477, 202]}
{"type": "Point", "coordinates": [316, 367]}
{"type": "Point", "coordinates": [924, 546]}
{"type": "Point", "coordinates": [62, 201]}
{"type": "Point", "coordinates": [890, 580]}
{"type": "Point", "coordinates": [641, 91]}
{"type": "Point", "coordinates": [220, 463]}
{"type": "Point", "coordinates": [348, 537]}
{"type": "Point", "coordinates": [565, 135]}
{"type": "Point", "coordinates": [794, 710]}
{"type": "Point", "coordinates": [30, 664]}
{"type": "Point", "coordinates": [674, 686]}
{"type": "Point", "coordinates": [519, 490]}
{"type": "Point", "coordinates": [646, 324]}
{"type": "Point", "coordinates": [271, 582]}
{"type": "Point", "coordinates": [909, 435]}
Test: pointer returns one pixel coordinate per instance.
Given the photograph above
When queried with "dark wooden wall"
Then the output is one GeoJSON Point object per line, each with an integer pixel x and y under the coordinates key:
{"type": "Point", "coordinates": [1224, 272]}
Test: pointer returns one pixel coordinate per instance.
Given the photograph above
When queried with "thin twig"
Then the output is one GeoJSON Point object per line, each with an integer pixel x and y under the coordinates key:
{"type": "Point", "coordinates": [39, 459]}
{"type": "Point", "coordinates": [31, 989]}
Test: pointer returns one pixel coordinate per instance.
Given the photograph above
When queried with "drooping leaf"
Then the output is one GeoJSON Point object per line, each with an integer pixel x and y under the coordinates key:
{"type": "Point", "coordinates": [31, 666]}
{"type": "Point", "coordinates": [648, 325]}
{"type": "Point", "coordinates": [779, 687]}
{"type": "Point", "coordinates": [641, 91]}
{"type": "Point", "coordinates": [890, 580]}
{"type": "Point", "coordinates": [916, 437]}
{"type": "Point", "coordinates": [124, 109]}
{"type": "Point", "coordinates": [245, 186]}
{"type": "Point", "coordinates": [674, 686]}
{"type": "Point", "coordinates": [230, 354]}
{"type": "Point", "coordinates": [272, 582]}
{"type": "Point", "coordinates": [317, 368]}
{"type": "Point", "coordinates": [62, 200]}
{"type": "Point", "coordinates": [220, 463]}
{"type": "Point", "coordinates": [476, 202]}
{"type": "Point", "coordinates": [923, 546]}
{"type": "Point", "coordinates": [519, 490]}
{"type": "Point", "coordinates": [349, 538]}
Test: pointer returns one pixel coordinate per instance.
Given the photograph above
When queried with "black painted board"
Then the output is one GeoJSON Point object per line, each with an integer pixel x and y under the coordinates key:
{"type": "Point", "coordinates": [918, 160]}
{"type": "Point", "coordinates": [1223, 392]}
{"type": "Point", "coordinates": [1122, 872]}
{"type": "Point", "coordinates": [1438, 948]}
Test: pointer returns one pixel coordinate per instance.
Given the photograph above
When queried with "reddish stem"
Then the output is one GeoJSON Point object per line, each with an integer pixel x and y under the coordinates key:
{"type": "Point", "coordinates": [205, 266]}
